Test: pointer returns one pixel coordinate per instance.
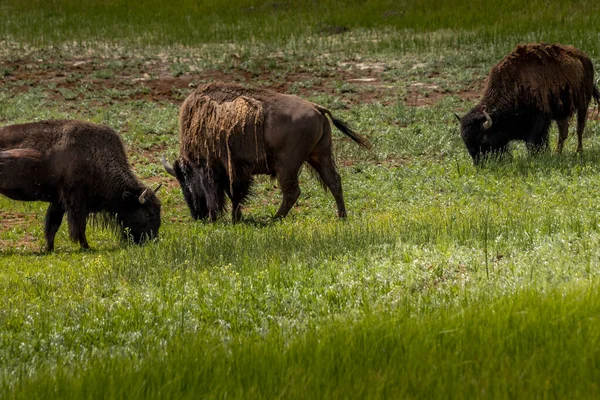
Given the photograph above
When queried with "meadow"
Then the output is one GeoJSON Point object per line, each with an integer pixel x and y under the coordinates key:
{"type": "Point", "coordinates": [445, 281]}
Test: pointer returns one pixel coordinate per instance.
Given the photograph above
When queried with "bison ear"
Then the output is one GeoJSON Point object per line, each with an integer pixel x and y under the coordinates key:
{"type": "Point", "coordinates": [128, 196]}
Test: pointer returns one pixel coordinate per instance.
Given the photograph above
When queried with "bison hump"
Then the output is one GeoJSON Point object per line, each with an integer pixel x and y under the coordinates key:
{"type": "Point", "coordinates": [225, 132]}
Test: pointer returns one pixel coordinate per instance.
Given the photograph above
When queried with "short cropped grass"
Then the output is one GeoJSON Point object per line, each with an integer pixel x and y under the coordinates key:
{"type": "Point", "coordinates": [445, 281]}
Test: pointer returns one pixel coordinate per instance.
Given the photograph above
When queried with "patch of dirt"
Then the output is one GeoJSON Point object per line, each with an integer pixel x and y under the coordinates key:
{"type": "Point", "coordinates": [594, 112]}
{"type": "Point", "coordinates": [427, 94]}
{"type": "Point", "coordinates": [11, 220]}
{"type": "Point", "coordinates": [158, 80]}
{"type": "Point", "coordinates": [166, 181]}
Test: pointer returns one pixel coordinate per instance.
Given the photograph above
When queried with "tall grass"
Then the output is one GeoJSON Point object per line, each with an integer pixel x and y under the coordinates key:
{"type": "Point", "coordinates": [528, 345]}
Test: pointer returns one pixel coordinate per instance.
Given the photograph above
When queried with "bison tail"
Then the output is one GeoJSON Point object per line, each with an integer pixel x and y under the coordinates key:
{"type": "Point", "coordinates": [15, 154]}
{"type": "Point", "coordinates": [344, 128]}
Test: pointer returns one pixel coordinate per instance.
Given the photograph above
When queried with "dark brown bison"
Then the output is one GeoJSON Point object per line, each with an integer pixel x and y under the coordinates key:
{"type": "Point", "coordinates": [79, 168]}
{"type": "Point", "coordinates": [229, 133]}
{"type": "Point", "coordinates": [530, 87]}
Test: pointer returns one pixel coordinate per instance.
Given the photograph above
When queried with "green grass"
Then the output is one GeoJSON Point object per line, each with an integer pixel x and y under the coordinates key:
{"type": "Point", "coordinates": [500, 348]}
{"type": "Point", "coordinates": [190, 22]}
{"type": "Point", "coordinates": [251, 25]}
{"type": "Point", "coordinates": [446, 280]}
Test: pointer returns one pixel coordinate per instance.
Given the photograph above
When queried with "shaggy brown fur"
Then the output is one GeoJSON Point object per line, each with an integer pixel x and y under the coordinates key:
{"type": "Point", "coordinates": [526, 90]}
{"type": "Point", "coordinates": [537, 74]}
{"type": "Point", "coordinates": [218, 128]}
{"type": "Point", "coordinates": [228, 133]}
{"type": "Point", "coordinates": [80, 169]}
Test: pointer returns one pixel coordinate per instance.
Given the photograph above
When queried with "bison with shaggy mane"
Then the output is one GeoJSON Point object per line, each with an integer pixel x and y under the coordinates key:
{"type": "Point", "coordinates": [229, 133]}
{"type": "Point", "coordinates": [80, 169]}
{"type": "Point", "coordinates": [526, 90]}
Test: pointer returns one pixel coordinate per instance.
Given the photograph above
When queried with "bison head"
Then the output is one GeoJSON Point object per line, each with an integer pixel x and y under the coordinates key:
{"type": "Point", "coordinates": [191, 179]}
{"type": "Point", "coordinates": [140, 215]}
{"type": "Point", "coordinates": [481, 135]}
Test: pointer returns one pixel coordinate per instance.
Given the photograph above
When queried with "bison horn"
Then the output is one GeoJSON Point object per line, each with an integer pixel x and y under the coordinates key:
{"type": "Point", "coordinates": [488, 121]}
{"type": "Point", "coordinates": [168, 167]}
{"type": "Point", "coordinates": [158, 187]}
{"type": "Point", "coordinates": [142, 198]}
{"type": "Point", "coordinates": [457, 117]}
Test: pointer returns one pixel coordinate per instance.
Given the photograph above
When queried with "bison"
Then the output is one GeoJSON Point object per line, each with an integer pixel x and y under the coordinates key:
{"type": "Point", "coordinates": [79, 168]}
{"type": "Point", "coordinates": [526, 90]}
{"type": "Point", "coordinates": [229, 133]}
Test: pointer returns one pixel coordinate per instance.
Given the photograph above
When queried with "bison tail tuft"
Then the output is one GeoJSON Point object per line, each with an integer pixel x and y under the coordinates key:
{"type": "Point", "coordinates": [342, 126]}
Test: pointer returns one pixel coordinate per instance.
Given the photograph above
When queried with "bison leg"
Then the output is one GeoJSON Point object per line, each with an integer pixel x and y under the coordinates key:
{"type": "Point", "coordinates": [54, 217]}
{"type": "Point", "coordinates": [288, 182]}
{"type": "Point", "coordinates": [215, 200]}
{"type": "Point", "coordinates": [563, 133]}
{"type": "Point", "coordinates": [332, 180]}
{"type": "Point", "coordinates": [77, 217]}
{"type": "Point", "coordinates": [236, 211]}
{"type": "Point", "coordinates": [538, 139]}
{"type": "Point", "coordinates": [581, 116]}
{"type": "Point", "coordinates": [321, 160]}
{"type": "Point", "coordinates": [241, 189]}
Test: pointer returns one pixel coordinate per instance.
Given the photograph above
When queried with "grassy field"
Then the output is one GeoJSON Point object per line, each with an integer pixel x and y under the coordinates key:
{"type": "Point", "coordinates": [445, 281]}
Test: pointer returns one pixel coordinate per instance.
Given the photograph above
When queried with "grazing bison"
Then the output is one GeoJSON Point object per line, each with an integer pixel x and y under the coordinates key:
{"type": "Point", "coordinates": [229, 133]}
{"type": "Point", "coordinates": [530, 87]}
{"type": "Point", "coordinates": [79, 168]}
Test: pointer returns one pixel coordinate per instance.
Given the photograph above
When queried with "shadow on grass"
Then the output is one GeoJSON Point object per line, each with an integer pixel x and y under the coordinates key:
{"type": "Point", "coordinates": [526, 164]}
{"type": "Point", "coordinates": [259, 222]}
{"type": "Point", "coordinates": [66, 252]}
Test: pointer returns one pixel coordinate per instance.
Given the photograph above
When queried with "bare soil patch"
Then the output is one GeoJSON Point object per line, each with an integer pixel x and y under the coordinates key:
{"type": "Point", "coordinates": [158, 80]}
{"type": "Point", "coordinates": [15, 220]}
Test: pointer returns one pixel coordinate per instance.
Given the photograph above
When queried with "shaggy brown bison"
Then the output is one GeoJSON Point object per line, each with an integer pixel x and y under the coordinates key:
{"type": "Point", "coordinates": [530, 87]}
{"type": "Point", "coordinates": [79, 168]}
{"type": "Point", "coordinates": [228, 133]}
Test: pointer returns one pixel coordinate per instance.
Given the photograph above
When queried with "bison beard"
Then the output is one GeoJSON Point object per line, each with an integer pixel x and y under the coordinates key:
{"type": "Point", "coordinates": [530, 87]}
{"type": "Point", "coordinates": [229, 133]}
{"type": "Point", "coordinates": [81, 169]}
